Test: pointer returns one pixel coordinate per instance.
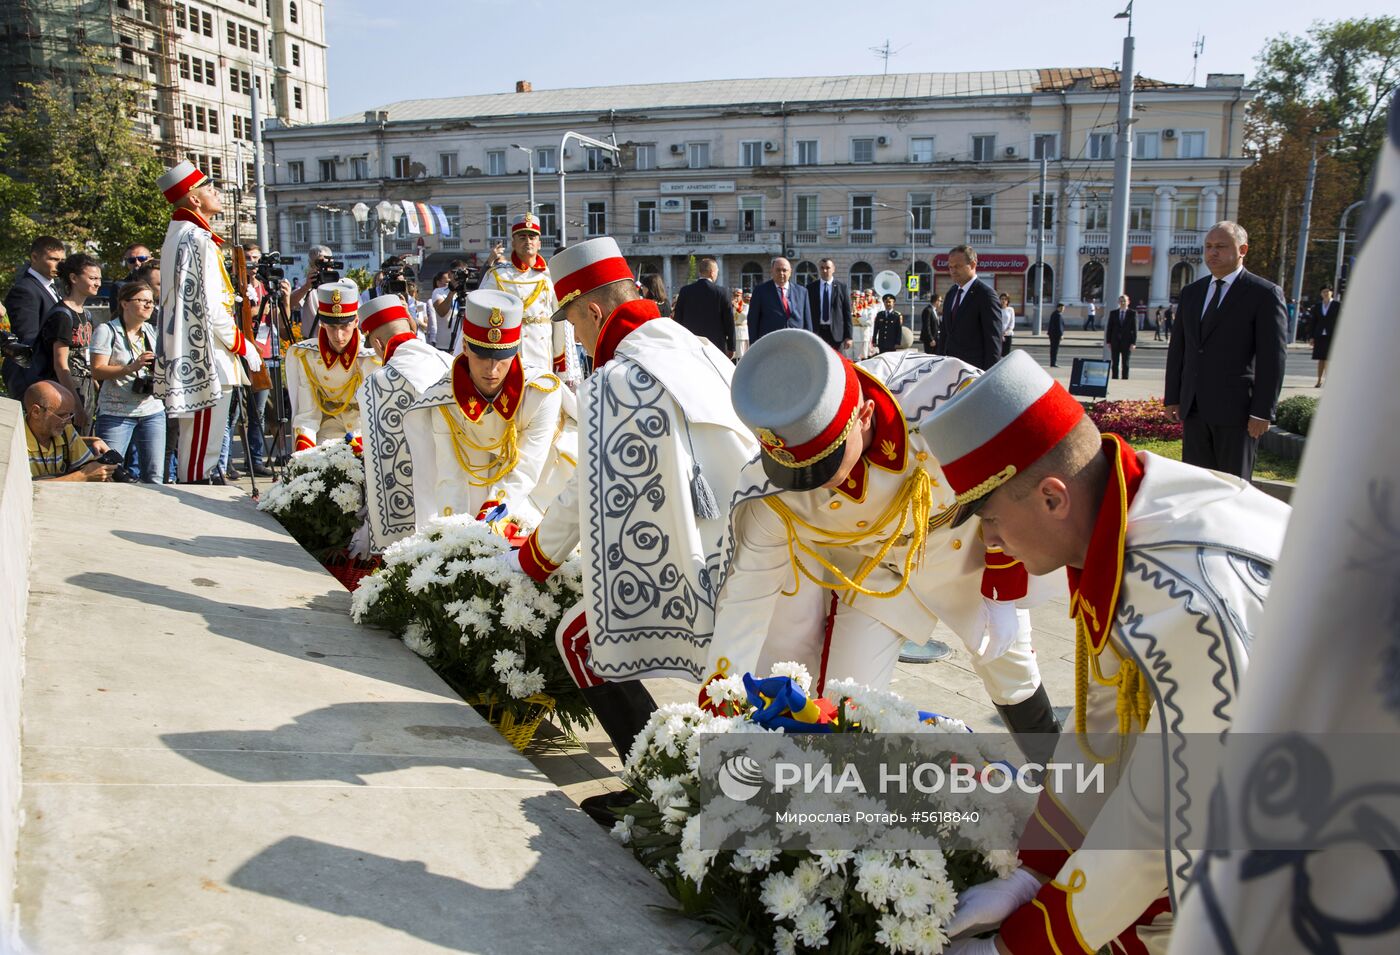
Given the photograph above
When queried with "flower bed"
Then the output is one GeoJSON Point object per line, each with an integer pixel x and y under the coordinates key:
{"type": "Point", "coordinates": [1135, 420]}
{"type": "Point", "coordinates": [318, 498]}
{"type": "Point", "coordinates": [449, 594]}
{"type": "Point", "coordinates": [761, 899]}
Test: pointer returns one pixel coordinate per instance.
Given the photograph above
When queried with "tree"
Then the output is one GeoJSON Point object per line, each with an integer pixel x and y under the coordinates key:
{"type": "Point", "coordinates": [1329, 87]}
{"type": "Point", "coordinates": [73, 165]}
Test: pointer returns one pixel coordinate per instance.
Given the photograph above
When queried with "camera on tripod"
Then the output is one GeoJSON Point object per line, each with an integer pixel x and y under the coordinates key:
{"type": "Point", "coordinates": [397, 277]}
{"type": "Point", "coordinates": [327, 270]}
{"type": "Point", "coordinates": [463, 280]}
{"type": "Point", "coordinates": [268, 268]}
{"type": "Point", "coordinates": [15, 350]}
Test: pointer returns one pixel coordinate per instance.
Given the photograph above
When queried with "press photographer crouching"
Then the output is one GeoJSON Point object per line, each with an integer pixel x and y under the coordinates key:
{"type": "Point", "coordinates": [56, 451]}
{"type": "Point", "coordinates": [123, 352]}
{"type": "Point", "coordinates": [322, 267]}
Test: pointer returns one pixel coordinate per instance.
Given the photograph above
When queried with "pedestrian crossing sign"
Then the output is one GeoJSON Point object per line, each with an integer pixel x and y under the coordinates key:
{"type": "Point", "coordinates": [911, 282]}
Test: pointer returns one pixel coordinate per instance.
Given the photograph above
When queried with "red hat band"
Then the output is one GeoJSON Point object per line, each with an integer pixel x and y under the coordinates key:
{"type": "Point", "coordinates": [1016, 447]}
{"type": "Point", "coordinates": [184, 187]}
{"type": "Point", "coordinates": [828, 440]}
{"type": "Point", "coordinates": [384, 316]}
{"type": "Point", "coordinates": [596, 275]}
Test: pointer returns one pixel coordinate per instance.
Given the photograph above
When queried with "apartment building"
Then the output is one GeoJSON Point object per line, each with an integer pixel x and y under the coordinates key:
{"type": "Point", "coordinates": [874, 172]}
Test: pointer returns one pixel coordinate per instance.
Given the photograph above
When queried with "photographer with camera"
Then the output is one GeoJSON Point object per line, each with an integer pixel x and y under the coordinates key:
{"type": "Point", "coordinates": [449, 296]}
{"type": "Point", "coordinates": [123, 355]}
{"type": "Point", "coordinates": [324, 373]}
{"type": "Point", "coordinates": [322, 268]}
{"type": "Point", "coordinates": [56, 451]}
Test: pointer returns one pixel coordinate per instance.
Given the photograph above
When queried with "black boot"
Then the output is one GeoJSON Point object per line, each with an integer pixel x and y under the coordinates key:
{"type": "Point", "coordinates": [1033, 725]}
{"type": "Point", "coordinates": [623, 710]}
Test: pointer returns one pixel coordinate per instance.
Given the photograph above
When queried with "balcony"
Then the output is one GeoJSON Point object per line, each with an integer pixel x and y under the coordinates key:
{"type": "Point", "coordinates": [641, 238]}
{"type": "Point", "coordinates": [1186, 240]}
{"type": "Point", "coordinates": [922, 238]}
{"type": "Point", "coordinates": [745, 237]}
{"type": "Point", "coordinates": [1140, 238]}
{"type": "Point", "coordinates": [1095, 238]}
{"type": "Point", "coordinates": [804, 238]}
{"type": "Point", "coordinates": [694, 238]}
{"type": "Point", "coordinates": [1031, 237]}
{"type": "Point", "coordinates": [980, 238]}
{"type": "Point", "coordinates": [862, 238]}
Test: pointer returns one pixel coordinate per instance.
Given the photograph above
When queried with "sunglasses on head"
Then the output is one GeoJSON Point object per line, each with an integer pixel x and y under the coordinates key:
{"type": "Point", "coordinates": [138, 259]}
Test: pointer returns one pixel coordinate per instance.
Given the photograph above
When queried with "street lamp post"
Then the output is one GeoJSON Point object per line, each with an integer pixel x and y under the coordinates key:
{"type": "Point", "coordinates": [530, 169]}
{"type": "Point", "coordinates": [387, 215]}
{"type": "Point", "coordinates": [1301, 261]}
{"type": "Point", "coordinates": [913, 261]}
{"type": "Point", "coordinates": [563, 238]}
{"type": "Point", "coordinates": [1342, 244]}
{"type": "Point", "coordinates": [1122, 171]}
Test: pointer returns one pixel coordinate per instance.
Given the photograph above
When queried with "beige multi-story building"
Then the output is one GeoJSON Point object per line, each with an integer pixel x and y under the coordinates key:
{"type": "Point", "coordinates": [199, 60]}
{"type": "Point", "coordinates": [869, 171]}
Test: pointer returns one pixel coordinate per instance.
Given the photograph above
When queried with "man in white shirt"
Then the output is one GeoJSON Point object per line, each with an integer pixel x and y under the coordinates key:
{"type": "Point", "coordinates": [830, 302]}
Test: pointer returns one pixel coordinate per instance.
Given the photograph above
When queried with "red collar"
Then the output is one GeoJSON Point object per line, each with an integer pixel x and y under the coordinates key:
{"type": "Point", "coordinates": [392, 345]}
{"type": "Point", "coordinates": [889, 445]}
{"type": "Point", "coordinates": [469, 397]}
{"type": "Point", "coordinates": [1094, 589]}
{"type": "Point", "coordinates": [624, 320]}
{"type": "Point", "coordinates": [189, 215]}
{"type": "Point", "coordinates": [330, 358]}
{"type": "Point", "coordinates": [538, 265]}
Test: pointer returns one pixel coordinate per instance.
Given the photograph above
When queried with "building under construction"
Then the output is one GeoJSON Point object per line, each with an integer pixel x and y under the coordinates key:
{"type": "Point", "coordinates": [200, 63]}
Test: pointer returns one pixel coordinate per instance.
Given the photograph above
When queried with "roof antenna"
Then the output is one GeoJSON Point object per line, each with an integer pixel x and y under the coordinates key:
{"type": "Point", "coordinates": [884, 52]}
{"type": "Point", "coordinates": [1197, 49]}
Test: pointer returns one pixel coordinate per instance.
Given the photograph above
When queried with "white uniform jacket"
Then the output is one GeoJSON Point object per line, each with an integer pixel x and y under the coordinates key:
{"type": "Point", "coordinates": [545, 345]}
{"type": "Point", "coordinates": [323, 386]}
{"type": "Point", "coordinates": [398, 440]}
{"type": "Point", "coordinates": [488, 452]}
{"type": "Point", "coordinates": [660, 451]}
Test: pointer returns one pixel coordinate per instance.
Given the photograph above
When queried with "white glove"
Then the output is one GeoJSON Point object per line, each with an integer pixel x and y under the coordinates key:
{"type": "Point", "coordinates": [973, 946]}
{"type": "Point", "coordinates": [359, 542]}
{"type": "Point", "coordinates": [989, 904]}
{"type": "Point", "coordinates": [1003, 623]}
{"type": "Point", "coordinates": [251, 356]}
{"type": "Point", "coordinates": [511, 559]}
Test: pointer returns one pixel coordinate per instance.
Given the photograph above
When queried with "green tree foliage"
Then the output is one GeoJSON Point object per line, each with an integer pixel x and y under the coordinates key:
{"type": "Point", "coordinates": [73, 164]}
{"type": "Point", "coordinates": [1334, 81]}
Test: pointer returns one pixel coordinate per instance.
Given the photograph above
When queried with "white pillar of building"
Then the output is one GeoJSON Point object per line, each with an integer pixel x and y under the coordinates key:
{"type": "Point", "coordinates": [666, 272]}
{"type": "Point", "coordinates": [283, 240]}
{"type": "Point", "coordinates": [1210, 208]}
{"type": "Point", "coordinates": [1069, 261]}
{"type": "Point", "coordinates": [1160, 288]}
{"type": "Point", "coordinates": [313, 225]}
{"type": "Point", "coordinates": [719, 261]}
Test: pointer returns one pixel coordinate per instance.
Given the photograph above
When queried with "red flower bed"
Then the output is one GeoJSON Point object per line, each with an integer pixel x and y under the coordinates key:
{"type": "Point", "coordinates": [1136, 420]}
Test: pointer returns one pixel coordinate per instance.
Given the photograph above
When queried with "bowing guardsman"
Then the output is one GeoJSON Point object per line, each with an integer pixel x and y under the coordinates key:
{"type": "Point", "coordinates": [324, 373]}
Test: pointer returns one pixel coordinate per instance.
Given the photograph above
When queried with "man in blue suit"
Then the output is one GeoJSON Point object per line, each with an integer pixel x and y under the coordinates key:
{"type": "Point", "coordinates": [778, 304]}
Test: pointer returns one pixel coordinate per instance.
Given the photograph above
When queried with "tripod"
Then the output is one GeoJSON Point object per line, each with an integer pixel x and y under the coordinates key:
{"type": "Point", "coordinates": [459, 315]}
{"type": "Point", "coordinates": [272, 309]}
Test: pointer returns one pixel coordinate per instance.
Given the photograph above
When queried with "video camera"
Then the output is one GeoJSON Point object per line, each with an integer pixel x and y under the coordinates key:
{"type": "Point", "coordinates": [463, 280]}
{"type": "Point", "coordinates": [396, 279]}
{"type": "Point", "coordinates": [267, 268]}
{"type": "Point", "coordinates": [15, 350]}
{"type": "Point", "coordinates": [326, 270]}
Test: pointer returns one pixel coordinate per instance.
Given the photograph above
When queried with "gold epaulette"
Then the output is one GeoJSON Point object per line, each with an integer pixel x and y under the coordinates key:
{"type": "Point", "coordinates": [547, 382]}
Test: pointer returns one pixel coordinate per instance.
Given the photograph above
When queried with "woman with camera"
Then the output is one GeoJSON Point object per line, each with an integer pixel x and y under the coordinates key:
{"type": "Point", "coordinates": [123, 351]}
{"type": "Point", "coordinates": [67, 333]}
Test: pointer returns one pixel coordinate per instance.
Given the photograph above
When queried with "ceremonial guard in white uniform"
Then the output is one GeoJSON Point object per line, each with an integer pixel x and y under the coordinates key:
{"type": "Point", "coordinates": [493, 421]}
{"type": "Point", "coordinates": [324, 373]}
{"type": "Point", "coordinates": [1169, 566]}
{"type": "Point", "coordinates": [198, 364]}
{"type": "Point", "coordinates": [660, 451]}
{"type": "Point", "coordinates": [846, 505]}
{"type": "Point", "coordinates": [395, 437]}
{"type": "Point", "coordinates": [544, 345]}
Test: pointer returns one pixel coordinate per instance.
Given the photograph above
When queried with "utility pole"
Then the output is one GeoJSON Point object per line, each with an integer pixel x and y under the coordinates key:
{"type": "Point", "coordinates": [1283, 235]}
{"type": "Point", "coordinates": [1342, 244]}
{"type": "Point", "coordinates": [1301, 260]}
{"type": "Point", "coordinates": [1040, 247]}
{"type": "Point", "coordinates": [261, 193]}
{"type": "Point", "coordinates": [1122, 171]}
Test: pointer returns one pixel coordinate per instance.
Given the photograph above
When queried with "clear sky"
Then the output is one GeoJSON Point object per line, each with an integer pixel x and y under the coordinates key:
{"type": "Point", "coordinates": [381, 51]}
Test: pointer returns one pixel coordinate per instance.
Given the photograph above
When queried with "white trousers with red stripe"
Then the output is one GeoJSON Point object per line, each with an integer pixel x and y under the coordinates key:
{"type": "Point", "coordinates": [201, 439]}
{"type": "Point", "coordinates": [571, 639]}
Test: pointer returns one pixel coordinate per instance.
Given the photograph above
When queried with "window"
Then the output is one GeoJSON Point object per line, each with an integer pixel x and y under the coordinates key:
{"type": "Point", "coordinates": [206, 20]}
{"type": "Point", "coordinates": [806, 214]}
{"type": "Point", "coordinates": [862, 277]}
{"type": "Point", "coordinates": [250, 174]}
{"type": "Point", "coordinates": [1185, 213]}
{"type": "Point", "coordinates": [805, 272]}
{"type": "Point", "coordinates": [751, 152]}
{"type": "Point", "coordinates": [595, 218]}
{"type": "Point", "coordinates": [296, 54]}
{"type": "Point", "coordinates": [1042, 210]}
{"type": "Point", "coordinates": [232, 33]}
{"type": "Point", "coordinates": [1096, 214]}
{"type": "Point", "coordinates": [401, 167]}
{"type": "Point", "coordinates": [1140, 213]}
{"type": "Point", "coordinates": [296, 97]}
{"type": "Point", "coordinates": [237, 126]}
{"type": "Point", "coordinates": [807, 152]}
{"type": "Point", "coordinates": [646, 216]}
{"type": "Point", "coordinates": [184, 66]}
{"type": "Point", "coordinates": [750, 276]}
{"type": "Point", "coordinates": [549, 219]}
{"type": "Point", "coordinates": [1044, 276]}
{"type": "Point", "coordinates": [698, 217]}
{"type": "Point", "coordinates": [331, 228]}
{"type": "Point", "coordinates": [359, 167]}
{"type": "Point", "coordinates": [292, 12]}
{"type": "Point", "coordinates": [921, 204]}
{"type": "Point", "coordinates": [863, 150]}
{"type": "Point", "coordinates": [1100, 146]}
{"type": "Point", "coordinates": [1091, 282]}
{"type": "Point", "coordinates": [750, 213]}
{"type": "Point", "coordinates": [301, 229]}
{"type": "Point", "coordinates": [454, 220]}
{"type": "Point", "coordinates": [253, 40]}
{"type": "Point", "coordinates": [296, 171]}
{"type": "Point", "coordinates": [496, 226]}
{"type": "Point", "coordinates": [598, 159]}
{"type": "Point", "coordinates": [1045, 146]}
{"type": "Point", "coordinates": [697, 156]}
{"type": "Point", "coordinates": [447, 164]}
{"type": "Point", "coordinates": [1147, 145]}
{"type": "Point", "coordinates": [984, 148]}
{"type": "Point", "coordinates": [495, 162]}
{"type": "Point", "coordinates": [1183, 274]}
{"type": "Point", "coordinates": [1193, 145]}
{"type": "Point", "coordinates": [128, 51]}
{"type": "Point", "coordinates": [979, 213]}
{"type": "Point", "coordinates": [180, 15]}
{"type": "Point", "coordinates": [645, 157]}
{"type": "Point", "coordinates": [189, 116]}
{"type": "Point", "coordinates": [921, 149]}
{"type": "Point", "coordinates": [545, 159]}
{"type": "Point", "coordinates": [862, 213]}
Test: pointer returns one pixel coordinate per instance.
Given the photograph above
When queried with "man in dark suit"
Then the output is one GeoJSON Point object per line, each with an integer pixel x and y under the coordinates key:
{"type": "Point", "coordinates": [778, 303]}
{"type": "Point", "coordinates": [830, 305]}
{"type": "Point", "coordinates": [1056, 330]}
{"type": "Point", "coordinates": [1120, 334]}
{"type": "Point", "coordinates": [704, 308]}
{"type": "Point", "coordinates": [1225, 362]}
{"type": "Point", "coordinates": [29, 301]}
{"type": "Point", "coordinates": [971, 326]}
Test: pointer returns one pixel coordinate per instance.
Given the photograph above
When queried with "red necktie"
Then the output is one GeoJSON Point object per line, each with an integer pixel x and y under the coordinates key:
{"type": "Point", "coordinates": [782, 290]}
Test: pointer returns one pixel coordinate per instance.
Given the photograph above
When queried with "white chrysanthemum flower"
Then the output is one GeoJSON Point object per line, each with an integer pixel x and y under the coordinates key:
{"type": "Point", "coordinates": [781, 897]}
{"type": "Point", "coordinates": [516, 615]}
{"type": "Point", "coordinates": [761, 858]}
{"type": "Point", "coordinates": [346, 497]}
{"type": "Point", "coordinates": [694, 863]}
{"type": "Point", "coordinates": [833, 861]}
{"type": "Point", "coordinates": [812, 925]}
{"type": "Point", "coordinates": [796, 672]}
{"type": "Point", "coordinates": [367, 595]}
{"type": "Point", "coordinates": [895, 933]}
{"type": "Point", "coordinates": [910, 892]}
{"type": "Point", "coordinates": [504, 660]}
{"type": "Point", "coordinates": [533, 682]}
{"type": "Point", "coordinates": [808, 876]}
{"type": "Point", "coordinates": [515, 684]}
{"type": "Point", "coordinates": [784, 942]}
{"type": "Point", "coordinates": [875, 881]}
{"type": "Point", "coordinates": [1003, 862]}
{"type": "Point", "coordinates": [942, 898]}
{"type": "Point", "coordinates": [417, 640]}
{"type": "Point", "coordinates": [729, 689]}
{"type": "Point", "coordinates": [928, 936]}
{"type": "Point", "coordinates": [622, 829]}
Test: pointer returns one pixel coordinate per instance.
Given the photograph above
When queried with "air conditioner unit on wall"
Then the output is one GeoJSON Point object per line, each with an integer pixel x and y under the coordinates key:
{"type": "Point", "coordinates": [789, 253]}
{"type": "Point", "coordinates": [1169, 134]}
{"type": "Point", "coordinates": [882, 141]}
{"type": "Point", "coordinates": [718, 223]}
{"type": "Point", "coordinates": [677, 149]}
{"type": "Point", "coordinates": [895, 255]}
{"type": "Point", "coordinates": [1009, 152]}
{"type": "Point", "coordinates": [770, 146]}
